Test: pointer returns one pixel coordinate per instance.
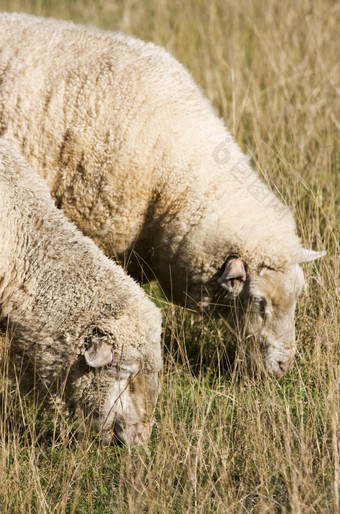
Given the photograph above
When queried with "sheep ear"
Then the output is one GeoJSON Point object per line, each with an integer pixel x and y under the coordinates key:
{"type": "Point", "coordinates": [234, 270]}
{"type": "Point", "coordinates": [99, 355]}
{"type": "Point", "coordinates": [125, 371]}
{"type": "Point", "coordinates": [310, 255]}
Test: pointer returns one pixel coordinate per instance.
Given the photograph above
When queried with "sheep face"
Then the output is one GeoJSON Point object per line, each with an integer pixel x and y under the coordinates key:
{"type": "Point", "coordinates": [122, 400]}
{"type": "Point", "coordinates": [260, 305]}
{"type": "Point", "coordinates": [259, 301]}
{"type": "Point", "coordinates": [123, 382]}
{"type": "Point", "coordinates": [265, 312]}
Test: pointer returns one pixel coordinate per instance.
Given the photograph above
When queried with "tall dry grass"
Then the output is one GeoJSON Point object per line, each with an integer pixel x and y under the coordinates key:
{"type": "Point", "coordinates": [221, 443]}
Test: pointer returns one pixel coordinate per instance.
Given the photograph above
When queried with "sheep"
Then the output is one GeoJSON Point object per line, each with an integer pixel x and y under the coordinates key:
{"type": "Point", "coordinates": [79, 326]}
{"type": "Point", "coordinates": [133, 153]}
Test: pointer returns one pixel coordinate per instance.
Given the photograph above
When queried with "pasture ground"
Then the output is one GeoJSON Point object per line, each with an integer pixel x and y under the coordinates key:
{"type": "Point", "coordinates": [222, 443]}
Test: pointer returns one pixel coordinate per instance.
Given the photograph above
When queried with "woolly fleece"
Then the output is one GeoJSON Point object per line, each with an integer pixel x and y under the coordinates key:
{"type": "Point", "coordinates": [60, 293]}
{"type": "Point", "coordinates": [134, 154]}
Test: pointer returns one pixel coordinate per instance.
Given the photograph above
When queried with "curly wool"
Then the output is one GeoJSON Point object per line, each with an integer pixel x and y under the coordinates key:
{"type": "Point", "coordinates": [133, 152]}
{"type": "Point", "coordinates": [56, 285]}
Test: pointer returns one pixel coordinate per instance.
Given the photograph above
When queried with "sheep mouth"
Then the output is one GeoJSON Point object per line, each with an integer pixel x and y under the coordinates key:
{"type": "Point", "coordinates": [107, 438]}
{"type": "Point", "coordinates": [129, 437]}
{"type": "Point", "coordinates": [111, 438]}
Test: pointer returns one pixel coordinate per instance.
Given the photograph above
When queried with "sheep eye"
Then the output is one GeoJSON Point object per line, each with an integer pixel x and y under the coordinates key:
{"type": "Point", "coordinates": [259, 302]}
{"type": "Point", "coordinates": [96, 335]}
{"type": "Point", "coordinates": [98, 332]}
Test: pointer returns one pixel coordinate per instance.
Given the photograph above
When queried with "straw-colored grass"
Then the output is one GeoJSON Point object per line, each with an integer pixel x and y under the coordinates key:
{"type": "Point", "coordinates": [221, 443]}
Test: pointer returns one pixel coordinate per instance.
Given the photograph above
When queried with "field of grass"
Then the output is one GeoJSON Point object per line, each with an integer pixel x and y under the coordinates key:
{"type": "Point", "coordinates": [221, 443]}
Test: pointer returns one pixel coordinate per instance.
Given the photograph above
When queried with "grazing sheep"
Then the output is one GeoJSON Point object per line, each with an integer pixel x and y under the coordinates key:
{"type": "Point", "coordinates": [134, 155]}
{"type": "Point", "coordinates": [81, 327]}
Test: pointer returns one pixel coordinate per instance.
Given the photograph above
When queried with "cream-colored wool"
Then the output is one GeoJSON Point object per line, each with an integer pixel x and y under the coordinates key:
{"type": "Point", "coordinates": [135, 156]}
{"type": "Point", "coordinates": [67, 305]}
{"type": "Point", "coordinates": [125, 140]}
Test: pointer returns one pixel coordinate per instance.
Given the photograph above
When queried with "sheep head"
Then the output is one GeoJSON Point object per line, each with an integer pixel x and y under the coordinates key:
{"type": "Point", "coordinates": [119, 382]}
{"type": "Point", "coordinates": [260, 304]}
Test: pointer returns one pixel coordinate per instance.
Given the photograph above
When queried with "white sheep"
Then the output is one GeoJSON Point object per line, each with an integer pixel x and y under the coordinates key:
{"type": "Point", "coordinates": [135, 156]}
{"type": "Point", "coordinates": [81, 328]}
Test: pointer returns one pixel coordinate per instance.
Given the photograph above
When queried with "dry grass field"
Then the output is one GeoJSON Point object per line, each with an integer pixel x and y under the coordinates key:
{"type": "Point", "coordinates": [222, 442]}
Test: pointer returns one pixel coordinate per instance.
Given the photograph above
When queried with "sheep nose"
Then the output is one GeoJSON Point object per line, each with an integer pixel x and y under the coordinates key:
{"type": "Point", "coordinates": [137, 434]}
{"type": "Point", "coordinates": [133, 434]}
{"type": "Point", "coordinates": [285, 366]}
